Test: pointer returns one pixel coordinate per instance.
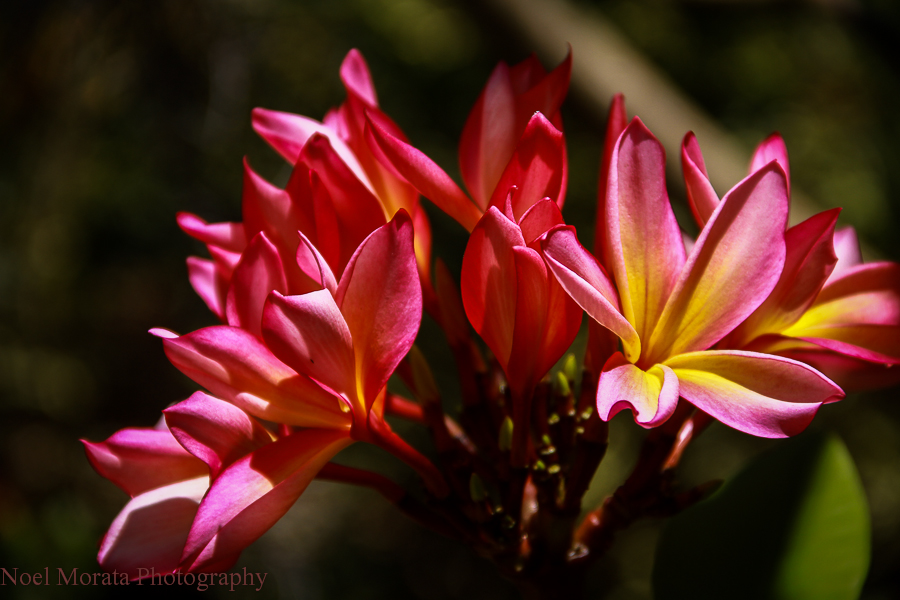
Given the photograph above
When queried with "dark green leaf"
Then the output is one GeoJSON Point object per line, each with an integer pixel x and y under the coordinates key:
{"type": "Point", "coordinates": [794, 525]}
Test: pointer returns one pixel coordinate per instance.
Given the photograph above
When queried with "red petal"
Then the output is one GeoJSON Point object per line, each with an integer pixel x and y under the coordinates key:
{"type": "Point", "coordinates": [488, 281]}
{"type": "Point", "coordinates": [259, 272]}
{"type": "Point", "coordinates": [215, 431]}
{"type": "Point", "coordinates": [536, 168]}
{"type": "Point", "coordinates": [255, 492]}
{"type": "Point", "coordinates": [310, 335]}
{"type": "Point", "coordinates": [234, 365]}
{"type": "Point", "coordinates": [139, 459]}
{"type": "Point", "coordinates": [428, 178]}
{"type": "Point", "coordinates": [380, 297]}
{"type": "Point", "coordinates": [489, 136]}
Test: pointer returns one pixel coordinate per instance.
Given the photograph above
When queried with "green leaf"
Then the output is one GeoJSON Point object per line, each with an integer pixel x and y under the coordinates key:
{"type": "Point", "coordinates": [793, 525]}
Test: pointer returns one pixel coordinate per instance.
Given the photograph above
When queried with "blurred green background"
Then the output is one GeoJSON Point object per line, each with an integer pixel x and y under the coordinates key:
{"type": "Point", "coordinates": [115, 115]}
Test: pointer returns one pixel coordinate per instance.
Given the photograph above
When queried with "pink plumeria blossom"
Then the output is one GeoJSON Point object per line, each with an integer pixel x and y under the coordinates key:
{"type": "Point", "coordinates": [827, 308]}
{"type": "Point", "coordinates": [669, 308]}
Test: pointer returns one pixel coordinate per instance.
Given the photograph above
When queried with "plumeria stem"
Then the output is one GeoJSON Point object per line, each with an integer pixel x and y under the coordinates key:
{"type": "Point", "coordinates": [395, 494]}
{"type": "Point", "coordinates": [384, 437]}
{"type": "Point", "coordinates": [404, 408]}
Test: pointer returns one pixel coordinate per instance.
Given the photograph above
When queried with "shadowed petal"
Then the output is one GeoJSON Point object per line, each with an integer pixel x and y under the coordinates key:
{"type": "Point", "coordinates": [236, 366]}
{"type": "Point", "coordinates": [735, 264]}
{"type": "Point", "coordinates": [651, 394]}
{"type": "Point", "coordinates": [380, 297]}
{"type": "Point", "coordinates": [140, 459]}
{"type": "Point", "coordinates": [874, 343]}
{"type": "Point", "coordinates": [616, 122]}
{"type": "Point", "coordinates": [357, 210]}
{"type": "Point", "coordinates": [523, 370]}
{"type": "Point", "coordinates": [846, 247]}
{"type": "Point", "coordinates": [255, 492]}
{"type": "Point", "coordinates": [759, 394]}
{"type": "Point", "coordinates": [208, 283]}
{"type": "Point", "coordinates": [150, 532]}
{"type": "Point", "coordinates": [215, 431]}
{"type": "Point", "coordinates": [488, 281]}
{"type": "Point", "coordinates": [259, 272]}
{"type": "Point", "coordinates": [701, 195]}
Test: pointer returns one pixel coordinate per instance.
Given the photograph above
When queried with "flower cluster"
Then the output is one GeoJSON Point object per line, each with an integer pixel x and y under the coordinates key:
{"type": "Point", "coordinates": [322, 286]}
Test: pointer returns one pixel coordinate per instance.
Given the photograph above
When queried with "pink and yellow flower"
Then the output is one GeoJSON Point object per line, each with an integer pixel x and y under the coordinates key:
{"type": "Point", "coordinates": [828, 309]}
{"type": "Point", "coordinates": [669, 308]}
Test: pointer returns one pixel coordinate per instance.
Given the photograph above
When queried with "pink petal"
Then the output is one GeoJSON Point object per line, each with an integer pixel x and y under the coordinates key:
{"type": "Point", "coordinates": [531, 299]}
{"type": "Point", "coordinates": [252, 494]}
{"type": "Point", "coordinates": [141, 459]}
{"type": "Point", "coordinates": [208, 283]}
{"type": "Point", "coordinates": [452, 314]}
{"type": "Point", "coordinates": [314, 265]}
{"type": "Point", "coordinates": [615, 125]}
{"type": "Point", "coordinates": [538, 220]}
{"type": "Point", "coordinates": [488, 137]}
{"type": "Point", "coordinates": [330, 239]}
{"type": "Point", "coordinates": [357, 79]}
{"type": "Point", "coordinates": [874, 343]}
{"type": "Point", "coordinates": [280, 214]}
{"type": "Point", "coordinates": [760, 394]}
{"type": "Point", "coordinates": [358, 210]}
{"type": "Point", "coordinates": [310, 335]}
{"type": "Point", "coordinates": [652, 395]}
{"type": "Point", "coordinates": [288, 133]}
{"type": "Point", "coordinates": [865, 294]}
{"type": "Point", "coordinates": [852, 374]}
{"type": "Point", "coordinates": [215, 431]}
{"type": "Point", "coordinates": [587, 283]}
{"type": "Point", "coordinates": [428, 178]}
{"type": "Point", "coordinates": [380, 297]}
{"type": "Point", "coordinates": [846, 246]}
{"type": "Point", "coordinates": [235, 366]}
{"type": "Point", "coordinates": [646, 249]}
{"type": "Point", "coordinates": [228, 236]}
{"type": "Point", "coordinates": [275, 211]}
{"type": "Point", "coordinates": [735, 264]}
{"type": "Point", "coordinates": [701, 195]}
{"type": "Point", "coordinates": [545, 95]}
{"type": "Point", "coordinates": [536, 168]}
{"type": "Point", "coordinates": [259, 272]}
{"type": "Point", "coordinates": [488, 281]}
{"type": "Point", "coordinates": [808, 261]}
{"type": "Point", "coordinates": [152, 529]}
{"type": "Point", "coordinates": [772, 148]}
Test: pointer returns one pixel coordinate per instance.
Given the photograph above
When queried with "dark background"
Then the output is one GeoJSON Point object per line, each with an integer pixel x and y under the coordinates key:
{"type": "Point", "coordinates": [115, 115]}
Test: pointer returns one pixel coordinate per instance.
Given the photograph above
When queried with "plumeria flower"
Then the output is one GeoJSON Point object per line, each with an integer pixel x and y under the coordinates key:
{"type": "Point", "coordinates": [318, 369]}
{"type": "Point", "coordinates": [338, 193]}
{"type": "Point", "coordinates": [344, 128]}
{"type": "Point", "coordinates": [827, 309]}
{"type": "Point", "coordinates": [493, 151]}
{"type": "Point", "coordinates": [670, 308]}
